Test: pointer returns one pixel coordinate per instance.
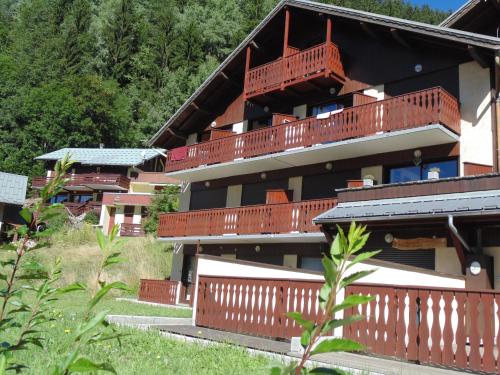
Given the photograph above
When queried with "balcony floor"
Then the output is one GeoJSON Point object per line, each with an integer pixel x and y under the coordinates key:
{"type": "Point", "coordinates": [249, 238]}
{"type": "Point", "coordinates": [429, 135]}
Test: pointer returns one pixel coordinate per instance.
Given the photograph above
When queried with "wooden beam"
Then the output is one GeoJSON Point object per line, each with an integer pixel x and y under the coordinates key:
{"type": "Point", "coordinates": [176, 134]}
{"type": "Point", "coordinates": [247, 68]}
{"type": "Point", "coordinates": [328, 29]}
{"type": "Point", "coordinates": [230, 80]}
{"type": "Point", "coordinates": [369, 30]}
{"type": "Point", "coordinates": [287, 29]}
{"type": "Point", "coordinates": [418, 243]}
{"type": "Point", "coordinates": [397, 36]}
{"type": "Point", "coordinates": [254, 44]}
{"type": "Point", "coordinates": [196, 107]}
{"type": "Point", "coordinates": [477, 56]}
{"type": "Point", "coordinates": [328, 235]}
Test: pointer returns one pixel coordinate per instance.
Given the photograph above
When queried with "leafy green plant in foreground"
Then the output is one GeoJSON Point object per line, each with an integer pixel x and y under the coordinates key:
{"type": "Point", "coordinates": [344, 254]}
{"type": "Point", "coordinates": [28, 289]}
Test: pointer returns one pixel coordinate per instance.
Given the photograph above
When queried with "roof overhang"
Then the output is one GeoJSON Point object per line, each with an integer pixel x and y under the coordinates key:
{"type": "Point", "coordinates": [425, 136]}
{"type": "Point", "coordinates": [251, 238]}
{"type": "Point", "coordinates": [418, 28]}
{"type": "Point", "coordinates": [478, 204]}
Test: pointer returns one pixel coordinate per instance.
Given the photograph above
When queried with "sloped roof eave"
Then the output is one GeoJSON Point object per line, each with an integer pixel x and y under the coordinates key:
{"type": "Point", "coordinates": [459, 36]}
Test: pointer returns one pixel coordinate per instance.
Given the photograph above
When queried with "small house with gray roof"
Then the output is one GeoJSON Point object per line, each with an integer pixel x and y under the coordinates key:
{"type": "Point", "coordinates": [12, 196]}
{"type": "Point", "coordinates": [112, 176]}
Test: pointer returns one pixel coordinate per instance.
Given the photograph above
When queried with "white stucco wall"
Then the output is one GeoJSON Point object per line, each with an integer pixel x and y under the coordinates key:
{"type": "Point", "coordinates": [192, 139]}
{"type": "Point", "coordinates": [119, 215]}
{"type": "Point", "coordinates": [104, 218]}
{"type": "Point", "coordinates": [240, 127]}
{"type": "Point", "coordinates": [136, 219]}
{"type": "Point", "coordinates": [446, 261]}
{"type": "Point", "coordinates": [389, 275]}
{"type": "Point", "coordinates": [290, 260]}
{"type": "Point", "coordinates": [295, 184]}
{"type": "Point", "coordinates": [300, 111]}
{"type": "Point", "coordinates": [185, 199]}
{"type": "Point", "coordinates": [233, 198]}
{"type": "Point", "coordinates": [476, 140]}
{"type": "Point", "coordinates": [376, 92]}
{"type": "Point", "coordinates": [177, 260]}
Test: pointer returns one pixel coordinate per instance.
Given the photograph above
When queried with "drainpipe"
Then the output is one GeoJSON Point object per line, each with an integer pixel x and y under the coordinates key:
{"type": "Point", "coordinates": [454, 230]}
{"type": "Point", "coordinates": [496, 111]}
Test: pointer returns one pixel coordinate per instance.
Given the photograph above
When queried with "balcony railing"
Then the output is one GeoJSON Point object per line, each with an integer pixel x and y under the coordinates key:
{"type": "Point", "coordinates": [323, 59]}
{"type": "Point", "coordinates": [431, 106]}
{"type": "Point", "coordinates": [131, 230]}
{"type": "Point", "coordinates": [87, 180]}
{"type": "Point", "coordinates": [77, 208]}
{"type": "Point", "coordinates": [258, 219]}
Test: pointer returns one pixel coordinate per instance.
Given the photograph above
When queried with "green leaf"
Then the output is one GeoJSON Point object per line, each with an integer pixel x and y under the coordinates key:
{"type": "Point", "coordinates": [26, 214]}
{"type": "Point", "coordinates": [335, 323]}
{"type": "Point", "coordinates": [86, 365]}
{"type": "Point", "coordinates": [305, 339]}
{"type": "Point", "coordinates": [362, 257]}
{"type": "Point", "coordinates": [275, 371]}
{"type": "Point", "coordinates": [324, 294]}
{"type": "Point", "coordinates": [297, 316]}
{"type": "Point", "coordinates": [72, 288]}
{"type": "Point", "coordinates": [337, 345]}
{"type": "Point", "coordinates": [113, 259]}
{"type": "Point", "coordinates": [351, 301]}
{"type": "Point", "coordinates": [348, 280]}
{"type": "Point", "coordinates": [92, 323]}
{"type": "Point", "coordinates": [330, 270]}
{"type": "Point", "coordinates": [101, 239]}
{"type": "Point", "coordinates": [104, 290]}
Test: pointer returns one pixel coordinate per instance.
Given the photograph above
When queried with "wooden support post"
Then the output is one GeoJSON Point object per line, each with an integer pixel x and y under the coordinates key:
{"type": "Point", "coordinates": [247, 69]}
{"type": "Point", "coordinates": [287, 29]}
{"type": "Point", "coordinates": [328, 30]}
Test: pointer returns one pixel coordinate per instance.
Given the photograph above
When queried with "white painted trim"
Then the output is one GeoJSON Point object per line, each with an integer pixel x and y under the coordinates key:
{"type": "Point", "coordinates": [250, 238]}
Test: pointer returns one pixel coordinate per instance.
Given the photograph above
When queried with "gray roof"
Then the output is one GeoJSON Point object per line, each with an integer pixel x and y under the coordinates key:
{"type": "Point", "coordinates": [429, 206]}
{"type": "Point", "coordinates": [104, 156]}
{"type": "Point", "coordinates": [458, 36]}
{"type": "Point", "coordinates": [12, 188]}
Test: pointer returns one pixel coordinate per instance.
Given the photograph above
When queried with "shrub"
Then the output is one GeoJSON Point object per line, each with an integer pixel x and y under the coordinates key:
{"type": "Point", "coordinates": [91, 218]}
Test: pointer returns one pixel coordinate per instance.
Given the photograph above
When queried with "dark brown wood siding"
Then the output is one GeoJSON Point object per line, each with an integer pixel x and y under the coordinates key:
{"type": "Point", "coordinates": [256, 193]}
{"type": "Point", "coordinates": [324, 185]}
{"type": "Point", "coordinates": [209, 198]}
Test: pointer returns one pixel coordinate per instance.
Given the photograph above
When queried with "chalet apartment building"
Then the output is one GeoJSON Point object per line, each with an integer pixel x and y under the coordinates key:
{"type": "Point", "coordinates": [12, 196]}
{"type": "Point", "coordinates": [321, 105]}
{"type": "Point", "coordinates": [116, 184]}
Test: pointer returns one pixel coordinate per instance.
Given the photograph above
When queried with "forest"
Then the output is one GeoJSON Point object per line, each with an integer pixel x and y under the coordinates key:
{"type": "Point", "coordinates": [79, 73]}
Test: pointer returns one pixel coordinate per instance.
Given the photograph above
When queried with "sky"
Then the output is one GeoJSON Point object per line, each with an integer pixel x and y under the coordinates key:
{"type": "Point", "coordinates": [440, 4]}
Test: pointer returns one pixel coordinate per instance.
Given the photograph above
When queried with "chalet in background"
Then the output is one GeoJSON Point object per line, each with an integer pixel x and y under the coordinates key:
{"type": "Point", "coordinates": [324, 115]}
{"type": "Point", "coordinates": [115, 184]}
{"type": "Point", "coordinates": [12, 196]}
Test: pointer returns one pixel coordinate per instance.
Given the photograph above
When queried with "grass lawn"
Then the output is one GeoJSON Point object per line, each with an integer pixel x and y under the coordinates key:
{"type": "Point", "coordinates": [142, 352]}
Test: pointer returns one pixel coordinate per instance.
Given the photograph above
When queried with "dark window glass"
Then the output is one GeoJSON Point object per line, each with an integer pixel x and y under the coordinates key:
{"type": "Point", "coordinates": [324, 108]}
{"type": "Point", "coordinates": [311, 263]}
{"type": "Point", "coordinates": [59, 199]}
{"type": "Point", "coordinates": [256, 193]}
{"type": "Point", "coordinates": [448, 168]}
{"type": "Point", "coordinates": [320, 186]}
{"type": "Point", "coordinates": [204, 199]}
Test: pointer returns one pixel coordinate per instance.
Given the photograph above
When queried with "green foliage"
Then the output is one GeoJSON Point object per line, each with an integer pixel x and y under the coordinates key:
{"type": "Point", "coordinates": [344, 254]}
{"type": "Point", "coordinates": [167, 200]}
{"type": "Point", "coordinates": [91, 218]}
{"type": "Point", "coordinates": [83, 72]}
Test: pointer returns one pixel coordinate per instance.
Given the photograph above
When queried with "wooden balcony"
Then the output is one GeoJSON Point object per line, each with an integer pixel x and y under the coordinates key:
{"type": "Point", "coordinates": [321, 62]}
{"type": "Point", "coordinates": [77, 208]}
{"type": "Point", "coordinates": [258, 219]}
{"type": "Point", "coordinates": [413, 110]}
{"type": "Point", "coordinates": [88, 181]}
{"type": "Point", "coordinates": [131, 230]}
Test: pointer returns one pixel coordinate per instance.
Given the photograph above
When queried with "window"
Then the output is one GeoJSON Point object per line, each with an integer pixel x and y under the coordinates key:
{"type": "Point", "coordinates": [58, 199]}
{"type": "Point", "coordinates": [447, 168]}
{"type": "Point", "coordinates": [325, 108]}
{"type": "Point", "coordinates": [310, 263]}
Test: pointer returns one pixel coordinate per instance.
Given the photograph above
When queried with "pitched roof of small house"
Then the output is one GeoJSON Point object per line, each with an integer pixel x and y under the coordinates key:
{"type": "Point", "coordinates": [212, 85]}
{"type": "Point", "coordinates": [13, 188]}
{"type": "Point", "coordinates": [104, 156]}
